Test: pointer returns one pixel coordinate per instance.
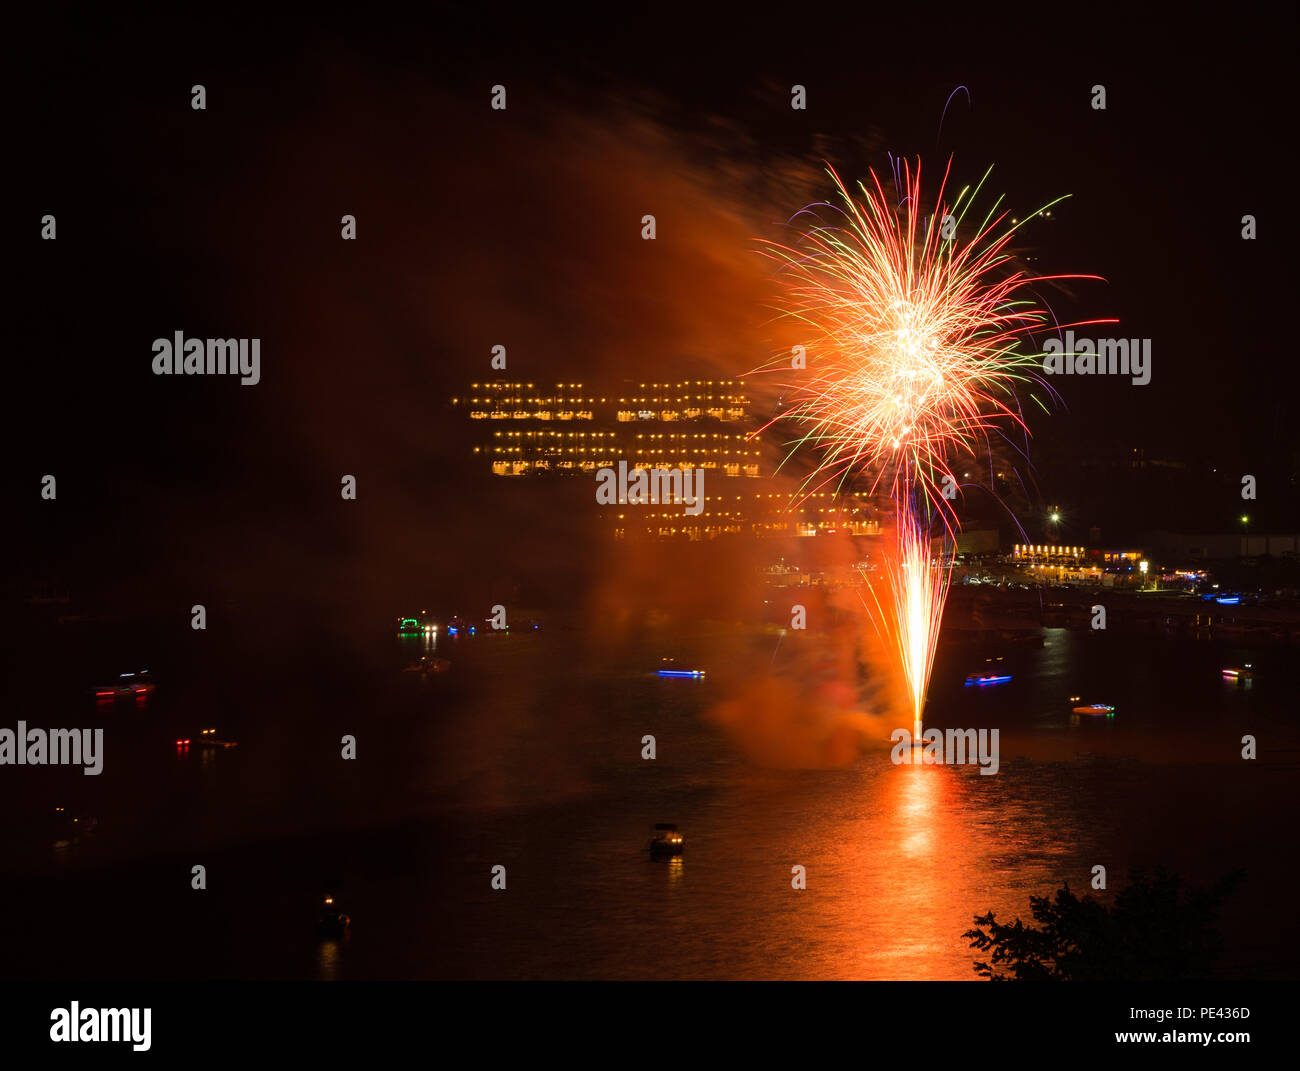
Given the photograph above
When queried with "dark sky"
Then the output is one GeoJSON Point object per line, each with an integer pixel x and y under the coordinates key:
{"type": "Point", "coordinates": [521, 227]}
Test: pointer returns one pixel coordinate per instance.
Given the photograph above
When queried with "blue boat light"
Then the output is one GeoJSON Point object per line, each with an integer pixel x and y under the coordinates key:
{"type": "Point", "coordinates": [981, 681]}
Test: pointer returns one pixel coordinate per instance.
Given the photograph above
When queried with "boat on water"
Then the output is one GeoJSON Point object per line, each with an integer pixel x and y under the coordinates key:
{"type": "Point", "coordinates": [993, 673]}
{"type": "Point", "coordinates": [127, 685]}
{"type": "Point", "coordinates": [427, 664]}
{"type": "Point", "coordinates": [1238, 673]}
{"type": "Point", "coordinates": [987, 678]}
{"type": "Point", "coordinates": [209, 738]}
{"type": "Point", "coordinates": [1098, 709]}
{"type": "Point", "coordinates": [458, 625]}
{"type": "Point", "coordinates": [69, 829]}
{"type": "Point", "coordinates": [330, 921]}
{"type": "Point", "coordinates": [669, 668]}
{"type": "Point", "coordinates": [666, 841]}
{"type": "Point", "coordinates": [423, 625]}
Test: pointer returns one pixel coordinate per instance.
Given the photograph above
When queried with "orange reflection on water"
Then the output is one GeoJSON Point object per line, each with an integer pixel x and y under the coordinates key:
{"type": "Point", "coordinates": [917, 797]}
{"type": "Point", "coordinates": [915, 863]}
{"type": "Point", "coordinates": [328, 959]}
{"type": "Point", "coordinates": [676, 868]}
{"type": "Point", "coordinates": [914, 876]}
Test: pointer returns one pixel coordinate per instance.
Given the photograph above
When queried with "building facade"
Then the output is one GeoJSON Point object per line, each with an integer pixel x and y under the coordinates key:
{"type": "Point", "coordinates": [522, 430]}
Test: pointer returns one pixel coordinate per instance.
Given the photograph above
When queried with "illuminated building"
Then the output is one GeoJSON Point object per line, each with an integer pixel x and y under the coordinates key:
{"type": "Point", "coordinates": [700, 424]}
{"type": "Point", "coordinates": [1073, 562]}
{"type": "Point", "coordinates": [573, 429]}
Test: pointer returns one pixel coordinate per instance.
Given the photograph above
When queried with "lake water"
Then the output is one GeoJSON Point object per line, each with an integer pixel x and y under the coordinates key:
{"type": "Point", "coordinates": [527, 754]}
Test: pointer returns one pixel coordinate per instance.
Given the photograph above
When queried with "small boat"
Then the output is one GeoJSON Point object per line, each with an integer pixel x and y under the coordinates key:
{"type": "Point", "coordinates": [666, 841]}
{"type": "Point", "coordinates": [992, 674]}
{"type": "Point", "coordinates": [427, 664]}
{"type": "Point", "coordinates": [128, 685]}
{"type": "Point", "coordinates": [1238, 673]}
{"type": "Point", "coordinates": [461, 626]}
{"type": "Point", "coordinates": [208, 738]}
{"type": "Point", "coordinates": [68, 829]}
{"type": "Point", "coordinates": [982, 679]}
{"type": "Point", "coordinates": [330, 921]}
{"type": "Point", "coordinates": [668, 668]}
{"type": "Point", "coordinates": [1100, 709]}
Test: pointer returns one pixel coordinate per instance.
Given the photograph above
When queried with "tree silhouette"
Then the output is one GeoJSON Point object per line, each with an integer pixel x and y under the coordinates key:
{"type": "Point", "coordinates": [1156, 930]}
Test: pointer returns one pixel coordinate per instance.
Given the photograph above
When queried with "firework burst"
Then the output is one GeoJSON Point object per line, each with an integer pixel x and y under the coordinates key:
{"type": "Point", "coordinates": [916, 343]}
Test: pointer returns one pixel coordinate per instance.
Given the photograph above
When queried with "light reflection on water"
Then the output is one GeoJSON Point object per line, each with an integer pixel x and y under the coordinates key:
{"type": "Point", "coordinates": [897, 865]}
{"type": "Point", "coordinates": [527, 754]}
{"type": "Point", "coordinates": [899, 858]}
{"type": "Point", "coordinates": [328, 958]}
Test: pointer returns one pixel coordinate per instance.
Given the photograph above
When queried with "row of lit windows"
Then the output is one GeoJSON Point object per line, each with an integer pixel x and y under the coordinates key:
{"type": "Point", "coordinates": [558, 434]}
{"type": "Point", "coordinates": [557, 450]}
{"type": "Point", "coordinates": [651, 515]}
{"type": "Point", "coordinates": [627, 416]}
{"type": "Point", "coordinates": [523, 414]}
{"type": "Point", "coordinates": [742, 513]}
{"type": "Point", "coordinates": [520, 399]}
{"type": "Point", "coordinates": [697, 534]}
{"type": "Point", "coordinates": [727, 436]}
{"type": "Point", "coordinates": [1062, 552]}
{"type": "Point", "coordinates": [738, 399]}
{"type": "Point", "coordinates": [502, 385]}
{"type": "Point", "coordinates": [673, 436]}
{"type": "Point", "coordinates": [518, 467]}
{"type": "Point", "coordinates": [589, 465]}
{"type": "Point", "coordinates": [623, 416]}
{"type": "Point", "coordinates": [524, 400]}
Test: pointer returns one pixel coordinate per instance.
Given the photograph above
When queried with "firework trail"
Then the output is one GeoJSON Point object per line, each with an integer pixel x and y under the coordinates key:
{"type": "Point", "coordinates": [916, 342]}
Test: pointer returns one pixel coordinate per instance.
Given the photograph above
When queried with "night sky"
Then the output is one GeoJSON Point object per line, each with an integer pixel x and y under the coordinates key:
{"type": "Point", "coordinates": [521, 227]}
